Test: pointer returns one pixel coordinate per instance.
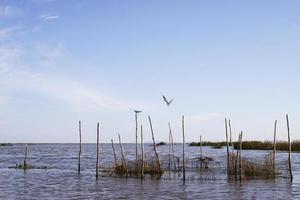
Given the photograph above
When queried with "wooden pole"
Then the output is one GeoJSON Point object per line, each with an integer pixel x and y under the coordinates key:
{"type": "Point", "coordinates": [136, 140]}
{"type": "Point", "coordinates": [25, 158]}
{"type": "Point", "coordinates": [230, 133]}
{"type": "Point", "coordinates": [290, 147]}
{"type": "Point", "coordinates": [183, 150]}
{"type": "Point", "coordinates": [142, 148]}
{"type": "Point", "coordinates": [173, 151]}
{"type": "Point", "coordinates": [227, 145]}
{"type": "Point", "coordinates": [80, 145]}
{"type": "Point", "coordinates": [236, 160]}
{"type": "Point", "coordinates": [114, 152]}
{"type": "Point", "coordinates": [169, 148]}
{"type": "Point", "coordinates": [274, 147]}
{"type": "Point", "coordinates": [201, 155]}
{"type": "Point", "coordinates": [240, 156]}
{"type": "Point", "coordinates": [97, 159]}
{"type": "Point", "coordinates": [155, 150]}
{"type": "Point", "coordinates": [123, 156]}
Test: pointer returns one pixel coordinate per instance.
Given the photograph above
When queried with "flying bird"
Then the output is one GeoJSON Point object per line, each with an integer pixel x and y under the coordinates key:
{"type": "Point", "coordinates": [168, 102]}
{"type": "Point", "coordinates": [137, 111]}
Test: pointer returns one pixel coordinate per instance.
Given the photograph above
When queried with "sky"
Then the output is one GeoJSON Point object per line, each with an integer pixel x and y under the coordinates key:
{"type": "Point", "coordinates": [62, 61]}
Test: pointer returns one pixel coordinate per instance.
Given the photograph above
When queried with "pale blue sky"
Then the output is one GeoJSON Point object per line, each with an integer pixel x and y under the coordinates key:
{"type": "Point", "coordinates": [64, 60]}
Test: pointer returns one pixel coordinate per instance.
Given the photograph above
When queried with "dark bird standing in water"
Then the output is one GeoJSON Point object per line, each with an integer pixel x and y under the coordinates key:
{"type": "Point", "coordinates": [167, 102]}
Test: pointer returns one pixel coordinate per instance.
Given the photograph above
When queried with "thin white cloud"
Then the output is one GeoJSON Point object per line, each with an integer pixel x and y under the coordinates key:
{"type": "Point", "coordinates": [295, 26]}
{"type": "Point", "coordinates": [8, 57]}
{"type": "Point", "coordinates": [8, 31]}
{"type": "Point", "coordinates": [9, 11]}
{"type": "Point", "coordinates": [49, 18]}
{"type": "Point", "coordinates": [72, 94]}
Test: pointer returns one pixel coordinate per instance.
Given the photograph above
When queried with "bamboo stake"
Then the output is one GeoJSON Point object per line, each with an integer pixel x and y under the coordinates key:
{"type": "Point", "coordinates": [201, 155]}
{"type": "Point", "coordinates": [155, 151]}
{"type": "Point", "coordinates": [123, 155]}
{"type": "Point", "coordinates": [142, 147]}
{"type": "Point", "coordinates": [97, 160]}
{"type": "Point", "coordinates": [230, 133]}
{"type": "Point", "coordinates": [227, 145]}
{"type": "Point", "coordinates": [290, 147]}
{"type": "Point", "coordinates": [183, 150]}
{"type": "Point", "coordinates": [173, 151]}
{"type": "Point", "coordinates": [25, 157]}
{"type": "Point", "coordinates": [79, 153]}
{"type": "Point", "coordinates": [236, 160]}
{"type": "Point", "coordinates": [240, 156]}
{"type": "Point", "coordinates": [114, 152]}
{"type": "Point", "coordinates": [136, 140]}
{"type": "Point", "coordinates": [274, 147]}
{"type": "Point", "coordinates": [169, 148]}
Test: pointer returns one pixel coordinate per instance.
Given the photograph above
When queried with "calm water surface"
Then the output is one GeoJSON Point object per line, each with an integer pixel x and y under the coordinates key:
{"type": "Point", "coordinates": [61, 180]}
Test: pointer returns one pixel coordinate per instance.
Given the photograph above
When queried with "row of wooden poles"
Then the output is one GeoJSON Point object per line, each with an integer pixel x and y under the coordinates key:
{"type": "Point", "coordinates": [229, 143]}
{"type": "Point", "coordinates": [239, 151]}
{"type": "Point", "coordinates": [124, 161]}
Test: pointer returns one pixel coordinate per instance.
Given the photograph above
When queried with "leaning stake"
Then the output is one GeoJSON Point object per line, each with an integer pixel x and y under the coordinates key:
{"type": "Point", "coordinates": [290, 147]}
{"type": "Point", "coordinates": [173, 151]}
{"type": "Point", "coordinates": [123, 156]}
{"type": "Point", "coordinates": [114, 153]}
{"type": "Point", "coordinates": [155, 151]}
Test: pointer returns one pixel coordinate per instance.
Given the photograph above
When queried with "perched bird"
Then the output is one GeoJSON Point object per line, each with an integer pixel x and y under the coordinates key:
{"type": "Point", "coordinates": [167, 102]}
{"type": "Point", "coordinates": [137, 111]}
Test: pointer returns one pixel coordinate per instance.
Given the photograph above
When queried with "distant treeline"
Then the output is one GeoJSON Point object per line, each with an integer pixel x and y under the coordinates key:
{"type": "Point", "coordinates": [253, 145]}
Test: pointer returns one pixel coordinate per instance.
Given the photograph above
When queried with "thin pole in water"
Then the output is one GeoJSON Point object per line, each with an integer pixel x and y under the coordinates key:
{"type": "Point", "coordinates": [227, 145]}
{"type": "Point", "coordinates": [79, 153]}
{"type": "Point", "coordinates": [173, 151]}
{"type": "Point", "coordinates": [290, 147]}
{"type": "Point", "coordinates": [25, 157]}
{"type": "Point", "coordinates": [114, 152]}
{"type": "Point", "coordinates": [169, 148]}
{"type": "Point", "coordinates": [123, 155]}
{"type": "Point", "coordinates": [240, 155]}
{"type": "Point", "coordinates": [97, 160]}
{"type": "Point", "coordinates": [201, 155]}
{"type": "Point", "coordinates": [183, 150]}
{"type": "Point", "coordinates": [274, 148]}
{"type": "Point", "coordinates": [155, 151]}
{"type": "Point", "coordinates": [142, 147]}
{"type": "Point", "coordinates": [230, 134]}
{"type": "Point", "coordinates": [136, 139]}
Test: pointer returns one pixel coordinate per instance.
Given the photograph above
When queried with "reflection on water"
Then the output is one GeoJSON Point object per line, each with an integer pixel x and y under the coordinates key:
{"type": "Point", "coordinates": [61, 181]}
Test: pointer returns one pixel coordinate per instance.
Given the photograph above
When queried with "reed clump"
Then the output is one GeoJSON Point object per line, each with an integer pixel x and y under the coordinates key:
{"type": "Point", "coordinates": [252, 169]}
{"type": "Point", "coordinates": [135, 169]}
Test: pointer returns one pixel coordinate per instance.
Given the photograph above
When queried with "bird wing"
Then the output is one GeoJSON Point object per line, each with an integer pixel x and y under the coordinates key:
{"type": "Point", "coordinates": [171, 101]}
{"type": "Point", "coordinates": [165, 99]}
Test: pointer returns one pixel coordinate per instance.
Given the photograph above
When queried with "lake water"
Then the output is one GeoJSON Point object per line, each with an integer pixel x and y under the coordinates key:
{"type": "Point", "coordinates": [61, 180]}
